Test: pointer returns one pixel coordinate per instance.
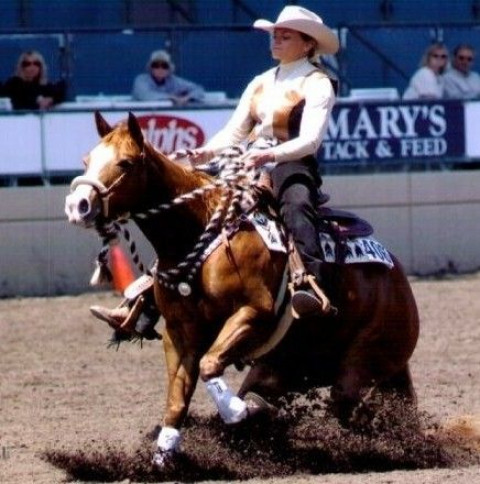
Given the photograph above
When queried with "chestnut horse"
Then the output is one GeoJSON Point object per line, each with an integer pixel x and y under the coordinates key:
{"type": "Point", "coordinates": [226, 310]}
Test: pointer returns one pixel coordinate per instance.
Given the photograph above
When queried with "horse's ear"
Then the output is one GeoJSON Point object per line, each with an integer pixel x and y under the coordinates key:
{"type": "Point", "coordinates": [103, 128]}
{"type": "Point", "coordinates": [135, 130]}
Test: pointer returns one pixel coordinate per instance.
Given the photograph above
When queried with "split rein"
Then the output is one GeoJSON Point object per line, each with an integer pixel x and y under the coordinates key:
{"type": "Point", "coordinates": [236, 182]}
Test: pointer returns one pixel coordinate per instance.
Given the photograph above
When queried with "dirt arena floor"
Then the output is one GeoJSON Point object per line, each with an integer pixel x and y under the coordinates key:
{"type": "Point", "coordinates": [72, 410]}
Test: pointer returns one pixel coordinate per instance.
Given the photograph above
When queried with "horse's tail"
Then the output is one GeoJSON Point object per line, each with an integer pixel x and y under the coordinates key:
{"type": "Point", "coordinates": [461, 431]}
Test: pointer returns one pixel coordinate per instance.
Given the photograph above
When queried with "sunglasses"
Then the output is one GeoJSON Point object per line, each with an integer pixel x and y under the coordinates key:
{"type": "Point", "coordinates": [160, 64]}
{"type": "Point", "coordinates": [439, 56]}
{"type": "Point", "coordinates": [26, 63]}
{"type": "Point", "coordinates": [465, 58]}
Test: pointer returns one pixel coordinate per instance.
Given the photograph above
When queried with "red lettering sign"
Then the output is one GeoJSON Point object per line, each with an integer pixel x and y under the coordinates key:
{"type": "Point", "coordinates": [171, 133]}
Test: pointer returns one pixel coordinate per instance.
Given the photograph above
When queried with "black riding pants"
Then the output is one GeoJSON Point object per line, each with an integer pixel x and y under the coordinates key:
{"type": "Point", "coordinates": [295, 186]}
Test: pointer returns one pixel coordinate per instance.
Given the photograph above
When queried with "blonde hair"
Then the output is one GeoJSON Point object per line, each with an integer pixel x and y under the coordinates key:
{"type": "Point", "coordinates": [431, 49]}
{"type": "Point", "coordinates": [35, 56]}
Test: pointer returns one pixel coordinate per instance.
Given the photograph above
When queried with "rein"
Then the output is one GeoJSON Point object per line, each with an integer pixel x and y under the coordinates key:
{"type": "Point", "coordinates": [231, 177]}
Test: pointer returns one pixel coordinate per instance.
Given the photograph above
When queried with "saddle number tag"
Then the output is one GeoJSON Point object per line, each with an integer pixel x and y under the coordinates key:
{"type": "Point", "coordinates": [269, 231]}
{"type": "Point", "coordinates": [359, 249]}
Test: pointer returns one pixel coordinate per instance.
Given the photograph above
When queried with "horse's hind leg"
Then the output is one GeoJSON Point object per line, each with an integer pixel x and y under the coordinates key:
{"type": "Point", "coordinates": [350, 393]}
{"type": "Point", "coordinates": [347, 392]}
{"type": "Point", "coordinates": [399, 390]}
{"type": "Point", "coordinates": [265, 381]}
{"type": "Point", "coordinates": [400, 383]}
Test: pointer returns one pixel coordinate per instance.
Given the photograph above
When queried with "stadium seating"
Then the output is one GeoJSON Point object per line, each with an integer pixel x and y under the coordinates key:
{"type": "Point", "coordinates": [100, 46]}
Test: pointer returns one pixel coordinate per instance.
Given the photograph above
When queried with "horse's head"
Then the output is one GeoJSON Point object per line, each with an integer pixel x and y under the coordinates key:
{"type": "Point", "coordinates": [114, 175]}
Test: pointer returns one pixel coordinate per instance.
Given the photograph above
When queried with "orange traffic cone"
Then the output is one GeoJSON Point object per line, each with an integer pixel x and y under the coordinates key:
{"type": "Point", "coordinates": [121, 269]}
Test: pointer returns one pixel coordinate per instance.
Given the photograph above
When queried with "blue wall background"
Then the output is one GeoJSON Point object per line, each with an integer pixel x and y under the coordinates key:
{"type": "Point", "coordinates": [100, 45]}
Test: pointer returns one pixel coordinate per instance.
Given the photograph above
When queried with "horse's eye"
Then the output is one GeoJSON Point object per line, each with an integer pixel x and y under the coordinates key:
{"type": "Point", "coordinates": [125, 163]}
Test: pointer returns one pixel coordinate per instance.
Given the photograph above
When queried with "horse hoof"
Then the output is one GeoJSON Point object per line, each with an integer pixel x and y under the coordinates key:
{"type": "Point", "coordinates": [258, 406]}
{"type": "Point", "coordinates": [163, 459]}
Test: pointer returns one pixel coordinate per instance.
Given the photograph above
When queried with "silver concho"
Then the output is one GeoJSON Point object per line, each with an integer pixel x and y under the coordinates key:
{"type": "Point", "coordinates": [184, 289]}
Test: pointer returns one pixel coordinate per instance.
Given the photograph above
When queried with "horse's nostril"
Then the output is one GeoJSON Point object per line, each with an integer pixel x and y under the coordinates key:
{"type": "Point", "coordinates": [83, 207]}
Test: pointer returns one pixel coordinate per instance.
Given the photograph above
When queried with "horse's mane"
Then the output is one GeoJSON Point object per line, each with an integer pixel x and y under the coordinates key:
{"type": "Point", "coordinates": [185, 177]}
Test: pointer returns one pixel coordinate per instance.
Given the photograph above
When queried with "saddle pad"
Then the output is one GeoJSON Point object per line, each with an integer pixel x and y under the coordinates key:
{"type": "Point", "coordinates": [269, 231]}
{"type": "Point", "coordinates": [358, 250]}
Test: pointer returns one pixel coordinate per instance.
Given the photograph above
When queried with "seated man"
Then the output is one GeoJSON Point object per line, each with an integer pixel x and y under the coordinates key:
{"type": "Point", "coordinates": [159, 83]}
{"type": "Point", "coordinates": [461, 82]}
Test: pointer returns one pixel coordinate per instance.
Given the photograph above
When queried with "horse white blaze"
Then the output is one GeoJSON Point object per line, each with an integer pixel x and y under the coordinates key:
{"type": "Point", "coordinates": [78, 204]}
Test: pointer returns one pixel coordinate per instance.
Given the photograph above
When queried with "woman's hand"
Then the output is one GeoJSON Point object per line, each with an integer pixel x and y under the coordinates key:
{"type": "Point", "coordinates": [257, 158]}
{"type": "Point", "coordinates": [44, 102]}
{"type": "Point", "coordinates": [200, 156]}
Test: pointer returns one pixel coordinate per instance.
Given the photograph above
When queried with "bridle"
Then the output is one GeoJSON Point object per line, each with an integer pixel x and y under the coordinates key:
{"type": "Point", "coordinates": [102, 191]}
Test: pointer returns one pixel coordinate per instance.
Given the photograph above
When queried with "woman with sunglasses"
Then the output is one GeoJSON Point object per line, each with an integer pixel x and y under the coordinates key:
{"type": "Point", "coordinates": [160, 84]}
{"type": "Point", "coordinates": [428, 82]}
{"type": "Point", "coordinates": [29, 87]}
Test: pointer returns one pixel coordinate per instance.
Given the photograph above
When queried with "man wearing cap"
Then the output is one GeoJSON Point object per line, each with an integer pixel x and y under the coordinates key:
{"type": "Point", "coordinates": [160, 84]}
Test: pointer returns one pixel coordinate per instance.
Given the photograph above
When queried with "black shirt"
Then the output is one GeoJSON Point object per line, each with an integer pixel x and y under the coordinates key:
{"type": "Point", "coordinates": [24, 94]}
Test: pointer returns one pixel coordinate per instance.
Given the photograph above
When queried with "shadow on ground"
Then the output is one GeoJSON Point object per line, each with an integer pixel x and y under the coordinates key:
{"type": "Point", "coordinates": [300, 440]}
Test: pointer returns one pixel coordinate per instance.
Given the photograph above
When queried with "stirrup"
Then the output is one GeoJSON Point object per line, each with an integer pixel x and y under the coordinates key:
{"type": "Point", "coordinates": [305, 304]}
{"type": "Point", "coordinates": [310, 300]}
{"type": "Point", "coordinates": [138, 286]}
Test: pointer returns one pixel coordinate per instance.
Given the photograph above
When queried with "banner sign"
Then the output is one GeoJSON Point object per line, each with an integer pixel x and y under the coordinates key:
{"type": "Point", "coordinates": [169, 133]}
{"type": "Point", "coordinates": [357, 132]}
{"type": "Point", "coordinates": [393, 131]}
{"type": "Point", "coordinates": [69, 136]}
{"type": "Point", "coordinates": [472, 123]}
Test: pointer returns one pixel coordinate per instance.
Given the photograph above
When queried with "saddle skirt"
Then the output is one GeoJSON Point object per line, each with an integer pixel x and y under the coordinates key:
{"type": "Point", "coordinates": [344, 237]}
{"type": "Point", "coordinates": [354, 250]}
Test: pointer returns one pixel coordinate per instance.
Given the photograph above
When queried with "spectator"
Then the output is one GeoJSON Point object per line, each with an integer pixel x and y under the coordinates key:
{"type": "Point", "coordinates": [29, 87]}
{"type": "Point", "coordinates": [428, 81]}
{"type": "Point", "coordinates": [159, 83]}
{"type": "Point", "coordinates": [460, 81]}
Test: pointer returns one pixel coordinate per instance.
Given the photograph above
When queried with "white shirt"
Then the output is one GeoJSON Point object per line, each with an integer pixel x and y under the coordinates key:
{"type": "Point", "coordinates": [267, 107]}
{"type": "Point", "coordinates": [425, 84]}
{"type": "Point", "coordinates": [461, 86]}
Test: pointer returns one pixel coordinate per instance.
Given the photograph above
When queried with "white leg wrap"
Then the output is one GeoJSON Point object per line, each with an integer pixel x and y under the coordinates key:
{"type": "Point", "coordinates": [231, 408]}
{"type": "Point", "coordinates": [168, 439]}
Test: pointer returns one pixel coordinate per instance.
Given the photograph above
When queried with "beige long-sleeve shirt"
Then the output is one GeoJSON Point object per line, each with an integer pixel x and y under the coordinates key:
{"type": "Point", "coordinates": [291, 103]}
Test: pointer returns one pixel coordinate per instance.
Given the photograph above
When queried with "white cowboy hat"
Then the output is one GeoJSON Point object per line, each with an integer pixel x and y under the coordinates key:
{"type": "Point", "coordinates": [305, 21]}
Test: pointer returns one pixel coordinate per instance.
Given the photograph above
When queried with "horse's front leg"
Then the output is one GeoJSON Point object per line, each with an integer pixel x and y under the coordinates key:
{"type": "Point", "coordinates": [242, 333]}
{"type": "Point", "coordinates": [182, 368]}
